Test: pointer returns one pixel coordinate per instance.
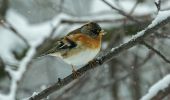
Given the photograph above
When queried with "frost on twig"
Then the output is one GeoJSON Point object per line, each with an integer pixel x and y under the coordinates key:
{"type": "Point", "coordinates": [161, 19]}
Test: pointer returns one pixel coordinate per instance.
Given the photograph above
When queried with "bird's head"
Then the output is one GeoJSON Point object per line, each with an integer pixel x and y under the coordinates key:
{"type": "Point", "coordinates": [92, 29]}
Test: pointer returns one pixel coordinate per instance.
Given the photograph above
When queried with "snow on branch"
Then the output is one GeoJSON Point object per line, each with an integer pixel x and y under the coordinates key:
{"type": "Point", "coordinates": [16, 75]}
{"type": "Point", "coordinates": [159, 90]}
{"type": "Point", "coordinates": [161, 19]}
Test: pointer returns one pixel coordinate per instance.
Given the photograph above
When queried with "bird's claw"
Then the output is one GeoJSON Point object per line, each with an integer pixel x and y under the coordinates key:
{"type": "Point", "coordinates": [92, 63]}
{"type": "Point", "coordinates": [76, 74]}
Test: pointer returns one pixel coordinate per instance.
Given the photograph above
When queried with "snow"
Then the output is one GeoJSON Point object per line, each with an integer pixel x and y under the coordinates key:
{"type": "Point", "coordinates": [126, 6]}
{"type": "Point", "coordinates": [97, 8]}
{"type": "Point", "coordinates": [37, 32]}
{"type": "Point", "coordinates": [162, 15]}
{"type": "Point", "coordinates": [34, 94]}
{"type": "Point", "coordinates": [16, 75]}
{"type": "Point", "coordinates": [159, 86]}
{"type": "Point", "coordinates": [157, 1]}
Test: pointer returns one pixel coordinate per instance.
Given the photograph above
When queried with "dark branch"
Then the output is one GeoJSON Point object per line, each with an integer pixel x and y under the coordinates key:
{"type": "Point", "coordinates": [158, 5]}
{"type": "Point", "coordinates": [3, 8]}
{"type": "Point", "coordinates": [121, 12]}
{"type": "Point", "coordinates": [107, 57]}
{"type": "Point", "coordinates": [156, 51]}
{"type": "Point", "coordinates": [9, 26]}
{"type": "Point", "coordinates": [68, 21]}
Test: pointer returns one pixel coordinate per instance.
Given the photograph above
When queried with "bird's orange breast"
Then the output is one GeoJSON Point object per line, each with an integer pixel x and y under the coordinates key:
{"type": "Point", "coordinates": [87, 41]}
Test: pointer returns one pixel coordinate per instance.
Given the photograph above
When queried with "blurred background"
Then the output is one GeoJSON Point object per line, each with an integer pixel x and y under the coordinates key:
{"type": "Point", "coordinates": [126, 77]}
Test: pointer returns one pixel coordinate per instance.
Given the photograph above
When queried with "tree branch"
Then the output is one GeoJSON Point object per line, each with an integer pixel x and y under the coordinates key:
{"type": "Point", "coordinates": [121, 12]}
{"type": "Point", "coordinates": [103, 59]}
{"type": "Point", "coordinates": [68, 21]}
{"type": "Point", "coordinates": [158, 4]}
{"type": "Point", "coordinates": [159, 90]}
{"type": "Point", "coordinates": [9, 26]}
{"type": "Point", "coordinates": [156, 51]}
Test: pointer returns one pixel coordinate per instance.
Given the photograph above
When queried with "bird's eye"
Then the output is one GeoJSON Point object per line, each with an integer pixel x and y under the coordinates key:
{"type": "Point", "coordinates": [95, 31]}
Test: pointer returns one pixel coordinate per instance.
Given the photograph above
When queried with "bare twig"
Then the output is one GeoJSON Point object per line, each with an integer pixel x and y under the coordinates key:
{"type": "Point", "coordinates": [2, 65]}
{"type": "Point", "coordinates": [121, 12]}
{"type": "Point", "coordinates": [67, 21]}
{"type": "Point", "coordinates": [160, 35]}
{"type": "Point", "coordinates": [156, 51]}
{"type": "Point", "coordinates": [53, 31]}
{"type": "Point", "coordinates": [48, 41]}
{"type": "Point", "coordinates": [158, 4]}
{"type": "Point", "coordinates": [134, 7]}
{"type": "Point", "coordinates": [103, 59]}
{"type": "Point", "coordinates": [3, 8]}
{"type": "Point", "coordinates": [9, 26]}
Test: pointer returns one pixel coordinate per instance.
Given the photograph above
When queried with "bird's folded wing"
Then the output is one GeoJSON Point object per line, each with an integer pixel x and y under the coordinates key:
{"type": "Point", "coordinates": [62, 45]}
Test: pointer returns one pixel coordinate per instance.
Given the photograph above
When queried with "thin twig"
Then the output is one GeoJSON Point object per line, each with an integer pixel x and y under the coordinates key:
{"type": "Point", "coordinates": [156, 51]}
{"type": "Point", "coordinates": [2, 65]}
{"type": "Point", "coordinates": [121, 12]}
{"type": "Point", "coordinates": [7, 25]}
{"type": "Point", "coordinates": [161, 35]}
{"type": "Point", "coordinates": [103, 59]}
{"type": "Point", "coordinates": [134, 7]}
{"type": "Point", "coordinates": [53, 31]}
{"type": "Point", "coordinates": [158, 4]}
{"type": "Point", "coordinates": [68, 21]}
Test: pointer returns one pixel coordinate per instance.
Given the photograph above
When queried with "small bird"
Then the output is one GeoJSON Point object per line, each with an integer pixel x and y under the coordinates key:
{"type": "Point", "coordinates": [80, 46]}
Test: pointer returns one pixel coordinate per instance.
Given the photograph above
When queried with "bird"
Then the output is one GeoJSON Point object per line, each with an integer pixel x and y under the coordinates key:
{"type": "Point", "coordinates": [79, 46]}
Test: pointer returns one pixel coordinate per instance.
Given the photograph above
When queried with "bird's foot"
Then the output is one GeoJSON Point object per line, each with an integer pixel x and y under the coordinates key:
{"type": "Point", "coordinates": [76, 74]}
{"type": "Point", "coordinates": [92, 64]}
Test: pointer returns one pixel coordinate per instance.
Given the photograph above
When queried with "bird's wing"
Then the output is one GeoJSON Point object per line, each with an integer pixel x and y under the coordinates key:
{"type": "Point", "coordinates": [64, 44]}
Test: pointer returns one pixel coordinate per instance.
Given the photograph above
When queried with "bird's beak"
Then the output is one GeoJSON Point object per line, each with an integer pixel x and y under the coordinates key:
{"type": "Point", "coordinates": [102, 32]}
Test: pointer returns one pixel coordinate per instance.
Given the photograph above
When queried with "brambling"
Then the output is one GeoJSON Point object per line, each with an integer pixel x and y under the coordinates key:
{"type": "Point", "coordinates": [80, 46]}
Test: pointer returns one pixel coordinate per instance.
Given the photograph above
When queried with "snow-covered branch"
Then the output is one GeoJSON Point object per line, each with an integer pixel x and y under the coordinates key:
{"type": "Point", "coordinates": [16, 75]}
{"type": "Point", "coordinates": [162, 18]}
{"type": "Point", "coordinates": [159, 90]}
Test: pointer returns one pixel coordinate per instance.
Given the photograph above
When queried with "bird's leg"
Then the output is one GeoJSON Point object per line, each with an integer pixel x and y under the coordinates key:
{"type": "Point", "coordinates": [59, 80]}
{"type": "Point", "coordinates": [92, 63]}
{"type": "Point", "coordinates": [76, 74]}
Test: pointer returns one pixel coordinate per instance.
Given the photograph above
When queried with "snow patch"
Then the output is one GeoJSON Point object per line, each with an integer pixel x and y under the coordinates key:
{"type": "Point", "coordinates": [159, 86]}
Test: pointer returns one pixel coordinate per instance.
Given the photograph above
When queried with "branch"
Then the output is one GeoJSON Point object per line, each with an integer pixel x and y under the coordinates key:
{"type": "Point", "coordinates": [1, 63]}
{"type": "Point", "coordinates": [68, 21]}
{"type": "Point", "coordinates": [158, 4]}
{"type": "Point", "coordinates": [9, 26]}
{"type": "Point", "coordinates": [121, 12]}
{"type": "Point", "coordinates": [156, 51]}
{"type": "Point", "coordinates": [159, 90]}
{"type": "Point", "coordinates": [3, 8]}
{"type": "Point", "coordinates": [136, 39]}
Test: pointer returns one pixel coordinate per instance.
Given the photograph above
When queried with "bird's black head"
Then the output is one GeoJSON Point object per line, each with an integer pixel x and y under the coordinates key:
{"type": "Point", "coordinates": [91, 28]}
